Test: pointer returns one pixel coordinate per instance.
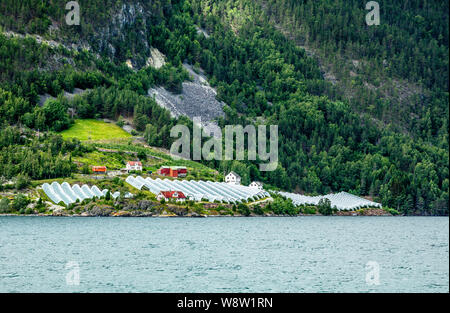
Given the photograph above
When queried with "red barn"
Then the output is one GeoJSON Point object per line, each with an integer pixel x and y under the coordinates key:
{"type": "Point", "coordinates": [164, 170]}
{"type": "Point", "coordinates": [182, 171]}
{"type": "Point", "coordinates": [173, 171]}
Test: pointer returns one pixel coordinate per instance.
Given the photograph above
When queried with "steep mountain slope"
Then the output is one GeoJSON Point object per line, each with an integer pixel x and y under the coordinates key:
{"type": "Point", "coordinates": [396, 72]}
{"type": "Point", "coordinates": [329, 144]}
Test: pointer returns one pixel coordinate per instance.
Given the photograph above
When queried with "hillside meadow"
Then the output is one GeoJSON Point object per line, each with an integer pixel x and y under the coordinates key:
{"type": "Point", "coordinates": [91, 129]}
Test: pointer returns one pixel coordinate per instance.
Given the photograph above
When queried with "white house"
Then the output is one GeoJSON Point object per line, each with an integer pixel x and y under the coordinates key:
{"type": "Point", "coordinates": [257, 184]}
{"type": "Point", "coordinates": [233, 178]}
{"type": "Point", "coordinates": [134, 166]}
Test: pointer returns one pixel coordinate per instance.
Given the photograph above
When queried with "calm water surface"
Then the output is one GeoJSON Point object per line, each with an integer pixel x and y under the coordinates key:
{"type": "Point", "coordinates": [299, 254]}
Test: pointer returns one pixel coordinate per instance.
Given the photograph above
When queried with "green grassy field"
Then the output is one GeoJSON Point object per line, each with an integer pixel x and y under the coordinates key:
{"type": "Point", "coordinates": [91, 129]}
{"type": "Point", "coordinates": [112, 161]}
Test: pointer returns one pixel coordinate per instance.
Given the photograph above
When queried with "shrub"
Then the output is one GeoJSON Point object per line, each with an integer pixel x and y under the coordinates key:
{"type": "Point", "coordinates": [142, 155]}
{"type": "Point", "coordinates": [282, 206]}
{"type": "Point", "coordinates": [40, 203]}
{"type": "Point", "coordinates": [22, 181]}
{"type": "Point", "coordinates": [309, 210]}
{"type": "Point", "coordinates": [20, 202]}
{"type": "Point", "coordinates": [324, 206]}
{"type": "Point", "coordinates": [120, 122]}
{"type": "Point", "coordinates": [85, 169]}
{"type": "Point", "coordinates": [4, 206]}
{"type": "Point", "coordinates": [243, 209]}
{"type": "Point", "coordinates": [392, 211]}
{"type": "Point", "coordinates": [258, 210]}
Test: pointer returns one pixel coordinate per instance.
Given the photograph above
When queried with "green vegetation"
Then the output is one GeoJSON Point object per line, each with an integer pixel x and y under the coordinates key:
{"type": "Point", "coordinates": [324, 207]}
{"type": "Point", "coordinates": [392, 211]}
{"type": "Point", "coordinates": [4, 205]}
{"type": "Point", "coordinates": [95, 158]}
{"type": "Point", "coordinates": [309, 210]}
{"type": "Point", "coordinates": [325, 143]}
{"type": "Point", "coordinates": [89, 129]}
{"type": "Point", "coordinates": [23, 155]}
{"type": "Point", "coordinates": [243, 209]}
{"type": "Point", "coordinates": [282, 206]}
{"type": "Point", "coordinates": [399, 68]}
{"type": "Point", "coordinates": [258, 210]}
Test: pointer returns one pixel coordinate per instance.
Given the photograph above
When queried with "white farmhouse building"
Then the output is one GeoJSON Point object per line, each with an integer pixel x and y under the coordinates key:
{"type": "Point", "coordinates": [257, 184]}
{"type": "Point", "coordinates": [233, 178]}
{"type": "Point", "coordinates": [134, 166]}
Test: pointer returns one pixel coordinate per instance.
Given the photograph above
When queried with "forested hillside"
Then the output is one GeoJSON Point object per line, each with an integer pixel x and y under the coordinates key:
{"type": "Point", "coordinates": [379, 129]}
{"type": "Point", "coordinates": [397, 71]}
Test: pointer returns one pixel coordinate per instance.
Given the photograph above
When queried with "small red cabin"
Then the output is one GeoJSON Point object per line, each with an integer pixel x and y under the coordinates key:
{"type": "Point", "coordinates": [164, 170]}
{"type": "Point", "coordinates": [182, 171]}
{"type": "Point", "coordinates": [99, 169]}
{"type": "Point", "coordinates": [173, 171]}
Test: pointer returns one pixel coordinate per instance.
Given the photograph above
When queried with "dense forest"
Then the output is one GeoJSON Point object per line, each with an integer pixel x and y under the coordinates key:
{"type": "Point", "coordinates": [333, 136]}
{"type": "Point", "coordinates": [36, 157]}
{"type": "Point", "coordinates": [397, 71]}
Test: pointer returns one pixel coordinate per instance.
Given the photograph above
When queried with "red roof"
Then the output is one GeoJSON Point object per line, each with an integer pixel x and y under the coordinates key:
{"type": "Point", "coordinates": [99, 168]}
{"type": "Point", "coordinates": [169, 194]}
{"type": "Point", "coordinates": [133, 163]}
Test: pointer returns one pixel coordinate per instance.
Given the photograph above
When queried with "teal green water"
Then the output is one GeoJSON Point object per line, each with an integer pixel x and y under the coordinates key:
{"type": "Point", "coordinates": [299, 254]}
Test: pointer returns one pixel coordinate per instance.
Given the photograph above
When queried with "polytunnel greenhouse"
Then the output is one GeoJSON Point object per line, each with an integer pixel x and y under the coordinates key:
{"type": "Point", "coordinates": [70, 194]}
{"type": "Point", "coordinates": [198, 190]}
{"type": "Point", "coordinates": [341, 200]}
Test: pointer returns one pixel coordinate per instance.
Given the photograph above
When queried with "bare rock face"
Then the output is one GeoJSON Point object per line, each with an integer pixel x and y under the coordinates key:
{"type": "Point", "coordinates": [129, 63]}
{"type": "Point", "coordinates": [54, 207]}
{"type": "Point", "coordinates": [68, 95]}
{"type": "Point", "coordinates": [202, 31]}
{"type": "Point", "coordinates": [100, 211]}
{"type": "Point", "coordinates": [116, 31]}
{"type": "Point", "coordinates": [198, 99]}
{"type": "Point", "coordinates": [156, 59]}
{"type": "Point", "coordinates": [145, 205]}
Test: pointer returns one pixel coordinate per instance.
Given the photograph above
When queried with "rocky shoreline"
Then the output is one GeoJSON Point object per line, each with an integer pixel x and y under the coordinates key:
{"type": "Point", "coordinates": [188, 215]}
{"type": "Point", "coordinates": [152, 208]}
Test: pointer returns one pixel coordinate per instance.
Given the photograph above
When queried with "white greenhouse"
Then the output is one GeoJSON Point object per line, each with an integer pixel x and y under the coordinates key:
{"type": "Point", "coordinates": [341, 201]}
{"type": "Point", "coordinates": [198, 190]}
{"type": "Point", "coordinates": [70, 194]}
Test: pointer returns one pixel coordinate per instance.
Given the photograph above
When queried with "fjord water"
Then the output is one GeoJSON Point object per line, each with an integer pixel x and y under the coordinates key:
{"type": "Point", "coordinates": [298, 254]}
